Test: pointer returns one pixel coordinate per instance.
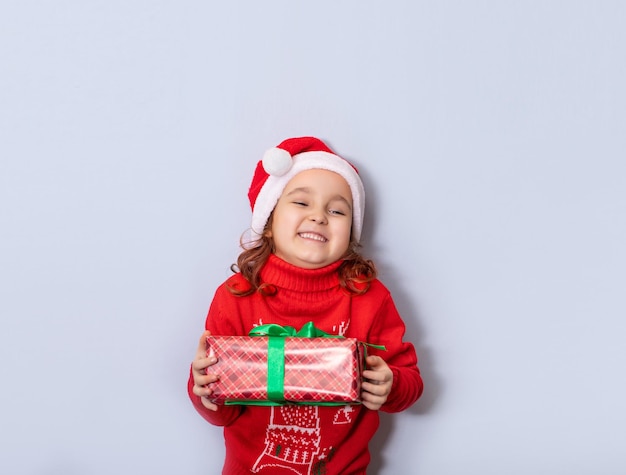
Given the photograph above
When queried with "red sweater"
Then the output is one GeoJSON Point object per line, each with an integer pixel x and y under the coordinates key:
{"type": "Point", "coordinates": [309, 439]}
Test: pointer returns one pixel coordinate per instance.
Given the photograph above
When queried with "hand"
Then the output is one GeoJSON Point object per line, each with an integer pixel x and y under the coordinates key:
{"type": "Point", "coordinates": [377, 381]}
{"type": "Point", "coordinates": [200, 376]}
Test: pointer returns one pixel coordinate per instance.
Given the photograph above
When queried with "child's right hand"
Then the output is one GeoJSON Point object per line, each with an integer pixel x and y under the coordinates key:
{"type": "Point", "coordinates": [200, 376]}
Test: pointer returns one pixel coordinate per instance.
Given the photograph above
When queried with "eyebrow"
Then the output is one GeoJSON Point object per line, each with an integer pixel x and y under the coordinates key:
{"type": "Point", "coordinates": [305, 189]}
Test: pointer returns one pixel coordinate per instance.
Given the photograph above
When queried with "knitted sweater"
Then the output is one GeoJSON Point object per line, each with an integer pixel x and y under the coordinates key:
{"type": "Point", "coordinates": [309, 439]}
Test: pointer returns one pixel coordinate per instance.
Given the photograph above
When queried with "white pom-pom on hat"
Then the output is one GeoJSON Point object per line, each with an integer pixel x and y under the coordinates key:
{"type": "Point", "coordinates": [277, 161]}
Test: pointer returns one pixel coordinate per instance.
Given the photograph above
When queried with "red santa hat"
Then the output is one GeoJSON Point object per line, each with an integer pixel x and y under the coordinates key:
{"type": "Point", "coordinates": [280, 164]}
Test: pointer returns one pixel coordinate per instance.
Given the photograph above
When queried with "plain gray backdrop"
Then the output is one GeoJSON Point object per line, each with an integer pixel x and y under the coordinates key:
{"type": "Point", "coordinates": [491, 139]}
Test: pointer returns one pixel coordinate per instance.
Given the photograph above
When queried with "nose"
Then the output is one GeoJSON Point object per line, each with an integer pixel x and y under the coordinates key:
{"type": "Point", "coordinates": [318, 216]}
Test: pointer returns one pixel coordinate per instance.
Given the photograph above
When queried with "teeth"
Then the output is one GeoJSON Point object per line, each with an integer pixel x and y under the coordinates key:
{"type": "Point", "coordinates": [313, 236]}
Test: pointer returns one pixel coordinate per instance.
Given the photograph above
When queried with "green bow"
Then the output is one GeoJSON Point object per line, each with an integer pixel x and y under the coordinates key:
{"type": "Point", "coordinates": [309, 330]}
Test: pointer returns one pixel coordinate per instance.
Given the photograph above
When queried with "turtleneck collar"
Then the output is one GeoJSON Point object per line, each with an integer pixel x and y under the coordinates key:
{"type": "Point", "coordinates": [287, 276]}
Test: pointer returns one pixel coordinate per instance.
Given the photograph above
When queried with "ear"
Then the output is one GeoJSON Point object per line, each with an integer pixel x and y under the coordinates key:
{"type": "Point", "coordinates": [267, 232]}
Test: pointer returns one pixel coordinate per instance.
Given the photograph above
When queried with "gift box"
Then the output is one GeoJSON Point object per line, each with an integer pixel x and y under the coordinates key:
{"type": "Point", "coordinates": [283, 369]}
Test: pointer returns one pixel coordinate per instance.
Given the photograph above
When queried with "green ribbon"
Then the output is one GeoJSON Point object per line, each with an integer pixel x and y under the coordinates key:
{"type": "Point", "coordinates": [276, 368]}
{"type": "Point", "coordinates": [276, 359]}
{"type": "Point", "coordinates": [276, 353]}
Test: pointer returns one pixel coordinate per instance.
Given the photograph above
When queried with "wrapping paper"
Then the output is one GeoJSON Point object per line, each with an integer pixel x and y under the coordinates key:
{"type": "Point", "coordinates": [316, 370]}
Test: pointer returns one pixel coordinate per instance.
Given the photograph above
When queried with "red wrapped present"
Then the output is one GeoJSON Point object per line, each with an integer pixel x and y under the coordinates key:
{"type": "Point", "coordinates": [279, 368]}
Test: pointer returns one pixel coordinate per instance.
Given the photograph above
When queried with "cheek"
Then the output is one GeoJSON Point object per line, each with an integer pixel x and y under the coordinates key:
{"type": "Point", "coordinates": [286, 221]}
{"type": "Point", "coordinates": [345, 236]}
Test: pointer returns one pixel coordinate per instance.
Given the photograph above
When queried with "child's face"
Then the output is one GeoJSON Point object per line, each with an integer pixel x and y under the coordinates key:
{"type": "Point", "coordinates": [312, 220]}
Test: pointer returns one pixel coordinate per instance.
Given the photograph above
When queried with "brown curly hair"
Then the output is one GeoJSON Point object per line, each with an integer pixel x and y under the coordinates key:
{"type": "Point", "coordinates": [355, 272]}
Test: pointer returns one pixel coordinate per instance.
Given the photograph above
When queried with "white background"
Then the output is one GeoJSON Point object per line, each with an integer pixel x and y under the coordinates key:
{"type": "Point", "coordinates": [490, 136]}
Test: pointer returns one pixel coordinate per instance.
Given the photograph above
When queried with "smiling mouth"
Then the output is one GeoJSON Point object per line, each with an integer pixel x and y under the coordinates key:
{"type": "Point", "coordinates": [313, 236]}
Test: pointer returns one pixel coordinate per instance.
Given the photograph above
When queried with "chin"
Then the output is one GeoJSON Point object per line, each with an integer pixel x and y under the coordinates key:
{"type": "Point", "coordinates": [313, 264]}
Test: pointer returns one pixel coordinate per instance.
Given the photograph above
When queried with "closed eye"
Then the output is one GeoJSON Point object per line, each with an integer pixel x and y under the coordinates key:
{"type": "Point", "coordinates": [336, 212]}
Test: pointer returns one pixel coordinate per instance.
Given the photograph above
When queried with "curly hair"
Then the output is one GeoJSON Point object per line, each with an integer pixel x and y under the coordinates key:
{"type": "Point", "coordinates": [355, 272]}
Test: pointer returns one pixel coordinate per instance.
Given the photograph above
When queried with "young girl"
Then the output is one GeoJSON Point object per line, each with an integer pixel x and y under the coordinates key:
{"type": "Point", "coordinates": [302, 264]}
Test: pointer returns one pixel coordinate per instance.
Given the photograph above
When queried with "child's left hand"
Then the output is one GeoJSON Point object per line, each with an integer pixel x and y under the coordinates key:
{"type": "Point", "coordinates": [377, 381]}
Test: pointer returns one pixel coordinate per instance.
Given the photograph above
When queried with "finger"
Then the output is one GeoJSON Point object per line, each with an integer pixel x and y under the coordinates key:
{"type": "Point", "coordinates": [202, 379]}
{"type": "Point", "coordinates": [208, 404]}
{"type": "Point", "coordinates": [203, 387]}
{"type": "Point", "coordinates": [374, 376]}
{"type": "Point", "coordinates": [374, 362]}
{"type": "Point", "coordinates": [371, 401]}
{"type": "Point", "coordinates": [373, 398]}
{"type": "Point", "coordinates": [202, 345]}
{"type": "Point", "coordinates": [205, 397]}
{"type": "Point", "coordinates": [378, 376]}
{"type": "Point", "coordinates": [202, 384]}
{"type": "Point", "coordinates": [201, 364]}
{"type": "Point", "coordinates": [202, 391]}
{"type": "Point", "coordinates": [373, 388]}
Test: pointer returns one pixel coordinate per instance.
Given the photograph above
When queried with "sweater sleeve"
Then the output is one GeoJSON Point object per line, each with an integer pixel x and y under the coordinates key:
{"type": "Point", "coordinates": [388, 329]}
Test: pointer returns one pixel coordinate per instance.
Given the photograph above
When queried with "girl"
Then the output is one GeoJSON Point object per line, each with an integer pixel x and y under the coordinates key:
{"type": "Point", "coordinates": [301, 264]}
